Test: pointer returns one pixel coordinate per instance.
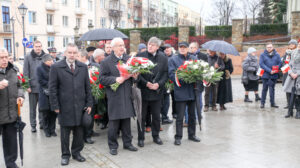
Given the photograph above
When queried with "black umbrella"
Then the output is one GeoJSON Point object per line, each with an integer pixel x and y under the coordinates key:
{"type": "Point", "coordinates": [102, 34]}
{"type": "Point", "coordinates": [199, 113]}
{"type": "Point", "coordinates": [20, 125]}
{"type": "Point", "coordinates": [292, 101]}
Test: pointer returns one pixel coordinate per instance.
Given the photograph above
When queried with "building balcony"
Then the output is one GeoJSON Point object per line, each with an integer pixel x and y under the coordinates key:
{"type": "Point", "coordinates": [79, 11]}
{"type": "Point", "coordinates": [137, 4]}
{"type": "Point", "coordinates": [50, 6]}
{"type": "Point", "coordinates": [115, 13]}
{"type": "Point", "coordinates": [52, 29]}
{"type": "Point", "coordinates": [137, 19]}
{"type": "Point", "coordinates": [7, 28]}
{"type": "Point", "coordinates": [153, 7]}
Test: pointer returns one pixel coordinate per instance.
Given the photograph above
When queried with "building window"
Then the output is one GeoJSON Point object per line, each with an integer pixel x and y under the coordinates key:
{"type": "Point", "coordinates": [65, 41]}
{"type": "Point", "coordinates": [77, 3]}
{"type": "Point", "coordinates": [102, 4]}
{"type": "Point", "coordinates": [103, 22]}
{"type": "Point", "coordinates": [64, 2]}
{"type": "Point", "coordinates": [90, 21]}
{"type": "Point", "coordinates": [7, 44]}
{"type": "Point", "coordinates": [49, 1]}
{"type": "Point", "coordinates": [90, 5]}
{"type": "Point", "coordinates": [50, 41]}
{"type": "Point", "coordinates": [78, 22]}
{"type": "Point", "coordinates": [65, 21]}
{"type": "Point", "coordinates": [49, 19]}
{"type": "Point", "coordinates": [5, 15]}
{"type": "Point", "coordinates": [32, 38]}
{"type": "Point", "coordinates": [32, 17]}
{"type": "Point", "coordinates": [122, 24]}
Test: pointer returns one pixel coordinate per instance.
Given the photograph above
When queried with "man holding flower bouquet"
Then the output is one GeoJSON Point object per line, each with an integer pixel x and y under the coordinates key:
{"type": "Point", "coordinates": [184, 95]}
{"type": "Point", "coordinates": [120, 106]}
{"type": "Point", "coordinates": [152, 86]}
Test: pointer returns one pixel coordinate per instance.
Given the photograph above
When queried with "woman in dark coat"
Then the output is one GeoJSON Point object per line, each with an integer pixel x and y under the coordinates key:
{"type": "Point", "coordinates": [249, 77]}
{"type": "Point", "coordinates": [224, 88]}
{"type": "Point", "coordinates": [49, 117]}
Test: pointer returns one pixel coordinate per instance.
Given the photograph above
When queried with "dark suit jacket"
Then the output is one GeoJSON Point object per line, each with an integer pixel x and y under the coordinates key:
{"type": "Point", "coordinates": [159, 75]}
{"type": "Point", "coordinates": [120, 102]}
{"type": "Point", "coordinates": [69, 92]}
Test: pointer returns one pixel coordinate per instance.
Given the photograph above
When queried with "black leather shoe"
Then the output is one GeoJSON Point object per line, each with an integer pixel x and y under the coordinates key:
{"type": "Point", "coordinates": [274, 106]}
{"type": "Point", "coordinates": [141, 143]}
{"type": "Point", "coordinates": [113, 151]}
{"type": "Point", "coordinates": [157, 141]}
{"type": "Point", "coordinates": [79, 158]}
{"type": "Point", "coordinates": [262, 106]}
{"type": "Point", "coordinates": [47, 134]}
{"type": "Point", "coordinates": [131, 148]}
{"type": "Point", "coordinates": [194, 138]}
{"type": "Point", "coordinates": [64, 161]}
{"type": "Point", "coordinates": [286, 107]}
{"type": "Point", "coordinates": [41, 127]}
{"type": "Point", "coordinates": [175, 116]}
{"type": "Point", "coordinates": [89, 141]}
{"type": "Point", "coordinates": [103, 126]}
{"type": "Point", "coordinates": [33, 129]}
{"type": "Point", "coordinates": [53, 134]}
{"type": "Point", "coordinates": [95, 134]}
{"type": "Point", "coordinates": [167, 121]}
{"type": "Point", "coordinates": [177, 142]}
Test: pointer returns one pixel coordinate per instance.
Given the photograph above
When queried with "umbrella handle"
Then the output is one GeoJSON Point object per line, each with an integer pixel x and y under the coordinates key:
{"type": "Point", "coordinates": [19, 109]}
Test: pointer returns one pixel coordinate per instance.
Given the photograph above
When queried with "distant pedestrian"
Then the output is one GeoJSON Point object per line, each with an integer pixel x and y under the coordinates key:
{"type": "Point", "coordinates": [270, 62]}
{"type": "Point", "coordinates": [107, 49]}
{"type": "Point", "coordinates": [250, 78]}
{"type": "Point", "coordinates": [142, 48]}
{"type": "Point", "coordinates": [11, 92]}
{"type": "Point", "coordinates": [224, 87]}
{"type": "Point", "coordinates": [52, 52]}
{"type": "Point", "coordinates": [286, 60]}
{"type": "Point", "coordinates": [49, 116]}
{"type": "Point", "coordinates": [31, 62]}
{"type": "Point", "coordinates": [70, 96]}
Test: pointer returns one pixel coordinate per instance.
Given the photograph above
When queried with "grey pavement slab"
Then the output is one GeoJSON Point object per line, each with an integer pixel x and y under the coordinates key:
{"type": "Point", "coordinates": [242, 136]}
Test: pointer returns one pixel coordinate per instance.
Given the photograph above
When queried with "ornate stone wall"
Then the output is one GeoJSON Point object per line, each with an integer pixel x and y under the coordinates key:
{"type": "Point", "coordinates": [135, 40]}
{"type": "Point", "coordinates": [183, 33]}
{"type": "Point", "coordinates": [295, 25]}
{"type": "Point", "coordinates": [237, 34]}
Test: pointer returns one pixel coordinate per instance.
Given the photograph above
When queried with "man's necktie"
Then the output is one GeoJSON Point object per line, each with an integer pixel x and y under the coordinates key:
{"type": "Point", "coordinates": [72, 68]}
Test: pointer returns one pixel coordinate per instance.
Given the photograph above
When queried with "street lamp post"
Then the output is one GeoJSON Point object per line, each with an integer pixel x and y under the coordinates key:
{"type": "Point", "coordinates": [23, 10]}
{"type": "Point", "coordinates": [76, 36]}
{"type": "Point", "coordinates": [12, 19]}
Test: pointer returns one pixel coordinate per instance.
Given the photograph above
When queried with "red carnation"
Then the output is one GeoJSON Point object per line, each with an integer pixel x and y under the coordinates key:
{"type": "Point", "coordinates": [171, 81]}
{"type": "Point", "coordinates": [101, 86]}
{"type": "Point", "coordinates": [23, 80]}
{"type": "Point", "coordinates": [19, 77]}
{"type": "Point", "coordinates": [97, 73]}
{"type": "Point", "coordinates": [94, 78]}
{"type": "Point", "coordinates": [91, 82]}
{"type": "Point", "coordinates": [97, 116]}
{"type": "Point", "coordinates": [185, 66]}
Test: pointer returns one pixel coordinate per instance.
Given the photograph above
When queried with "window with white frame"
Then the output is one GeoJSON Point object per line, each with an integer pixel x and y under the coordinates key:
{"type": "Point", "coordinates": [65, 41]}
{"type": "Point", "coordinates": [49, 1]}
{"type": "Point", "coordinates": [32, 17]}
{"type": "Point", "coordinates": [90, 5]}
{"type": "Point", "coordinates": [77, 3]}
{"type": "Point", "coordinates": [78, 22]}
{"type": "Point", "coordinates": [64, 2]}
{"type": "Point", "coordinates": [7, 44]}
{"type": "Point", "coordinates": [49, 19]}
{"type": "Point", "coordinates": [50, 42]}
{"type": "Point", "coordinates": [102, 4]}
{"type": "Point", "coordinates": [32, 38]}
{"type": "Point", "coordinates": [103, 22]}
{"type": "Point", "coordinates": [90, 21]}
{"type": "Point", "coordinates": [65, 21]}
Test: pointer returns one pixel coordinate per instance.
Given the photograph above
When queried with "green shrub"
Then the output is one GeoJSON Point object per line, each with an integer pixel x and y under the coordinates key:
{"type": "Point", "coordinates": [218, 31]}
{"type": "Point", "coordinates": [268, 29]}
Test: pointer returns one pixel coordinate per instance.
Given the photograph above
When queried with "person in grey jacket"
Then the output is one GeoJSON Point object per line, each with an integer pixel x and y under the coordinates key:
{"type": "Point", "coordinates": [10, 93]}
{"type": "Point", "coordinates": [294, 72]}
{"type": "Point", "coordinates": [31, 62]}
{"type": "Point", "coordinates": [249, 78]}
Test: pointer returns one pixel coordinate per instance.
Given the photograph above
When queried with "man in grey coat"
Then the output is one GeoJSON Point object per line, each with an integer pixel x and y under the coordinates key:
{"type": "Point", "coordinates": [120, 106]}
{"type": "Point", "coordinates": [70, 95]}
{"type": "Point", "coordinates": [10, 93]}
{"type": "Point", "coordinates": [31, 62]}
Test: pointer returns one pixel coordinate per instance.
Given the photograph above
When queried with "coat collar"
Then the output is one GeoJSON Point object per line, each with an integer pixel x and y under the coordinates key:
{"type": "Point", "coordinates": [63, 64]}
{"type": "Point", "coordinates": [116, 59]}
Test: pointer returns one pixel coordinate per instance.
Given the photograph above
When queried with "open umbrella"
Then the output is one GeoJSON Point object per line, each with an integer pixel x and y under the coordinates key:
{"type": "Point", "coordinates": [292, 101]}
{"type": "Point", "coordinates": [199, 113]}
{"type": "Point", "coordinates": [221, 46]}
{"type": "Point", "coordinates": [20, 125]}
{"type": "Point", "coordinates": [102, 34]}
{"type": "Point", "coordinates": [137, 103]}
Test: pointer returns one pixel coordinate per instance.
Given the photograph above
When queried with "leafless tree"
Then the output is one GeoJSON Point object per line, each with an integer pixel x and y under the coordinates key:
{"type": "Point", "coordinates": [253, 7]}
{"type": "Point", "coordinates": [225, 10]}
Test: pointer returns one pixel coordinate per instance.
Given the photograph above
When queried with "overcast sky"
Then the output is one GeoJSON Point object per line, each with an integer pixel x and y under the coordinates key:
{"type": "Point", "coordinates": [206, 7]}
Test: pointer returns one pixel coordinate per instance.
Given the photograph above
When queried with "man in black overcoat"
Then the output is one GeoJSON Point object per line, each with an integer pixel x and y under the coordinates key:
{"type": "Point", "coordinates": [70, 95]}
{"type": "Point", "coordinates": [120, 106]}
{"type": "Point", "coordinates": [152, 87]}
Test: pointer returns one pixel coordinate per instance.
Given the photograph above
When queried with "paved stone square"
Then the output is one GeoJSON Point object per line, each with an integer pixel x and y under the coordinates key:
{"type": "Point", "coordinates": [242, 136]}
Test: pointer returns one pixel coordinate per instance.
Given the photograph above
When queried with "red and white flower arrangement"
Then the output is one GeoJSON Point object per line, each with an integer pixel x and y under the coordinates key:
{"type": "Point", "coordinates": [24, 81]}
{"type": "Point", "coordinates": [96, 87]}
